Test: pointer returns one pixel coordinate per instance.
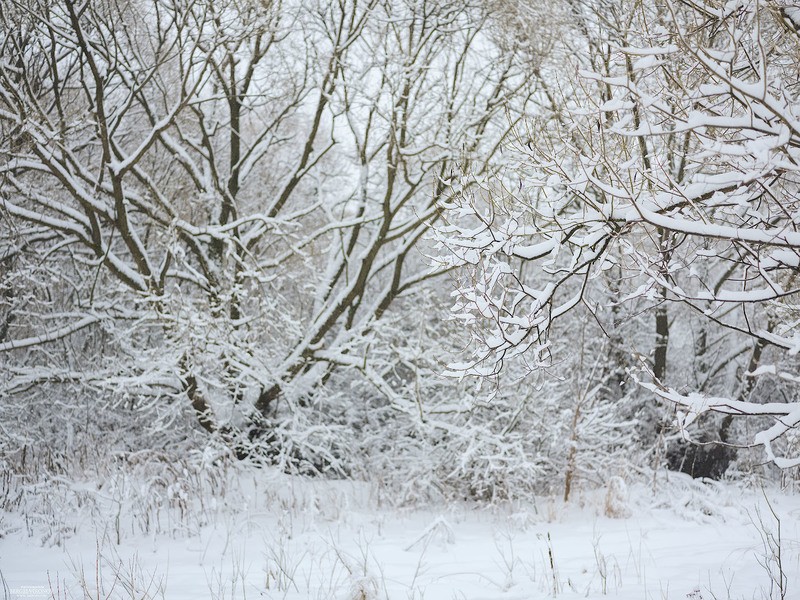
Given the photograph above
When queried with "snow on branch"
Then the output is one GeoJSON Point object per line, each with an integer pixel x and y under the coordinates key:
{"type": "Point", "coordinates": [786, 415]}
{"type": "Point", "coordinates": [50, 336]}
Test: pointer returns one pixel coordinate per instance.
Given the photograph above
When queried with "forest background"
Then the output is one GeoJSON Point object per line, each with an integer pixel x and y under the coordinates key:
{"type": "Point", "coordinates": [485, 250]}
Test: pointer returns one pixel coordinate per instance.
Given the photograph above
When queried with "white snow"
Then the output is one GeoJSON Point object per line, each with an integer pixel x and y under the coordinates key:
{"type": "Point", "coordinates": [297, 539]}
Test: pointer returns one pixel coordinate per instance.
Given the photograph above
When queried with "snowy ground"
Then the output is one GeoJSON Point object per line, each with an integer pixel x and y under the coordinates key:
{"type": "Point", "coordinates": [295, 539]}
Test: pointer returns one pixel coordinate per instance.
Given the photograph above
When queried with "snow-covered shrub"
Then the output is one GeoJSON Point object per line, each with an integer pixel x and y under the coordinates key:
{"type": "Point", "coordinates": [616, 503]}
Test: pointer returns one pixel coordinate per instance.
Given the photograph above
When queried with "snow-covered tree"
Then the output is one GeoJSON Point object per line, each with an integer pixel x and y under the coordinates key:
{"type": "Point", "coordinates": [663, 177]}
{"type": "Point", "coordinates": [217, 205]}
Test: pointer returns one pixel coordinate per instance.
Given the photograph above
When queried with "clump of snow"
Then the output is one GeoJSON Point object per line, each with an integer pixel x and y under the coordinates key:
{"type": "Point", "coordinates": [617, 499]}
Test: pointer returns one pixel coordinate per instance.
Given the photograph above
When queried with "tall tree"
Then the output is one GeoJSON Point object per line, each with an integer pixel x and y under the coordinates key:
{"type": "Point", "coordinates": [222, 202]}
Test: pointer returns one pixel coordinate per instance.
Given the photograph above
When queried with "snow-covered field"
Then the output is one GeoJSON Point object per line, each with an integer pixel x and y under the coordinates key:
{"type": "Point", "coordinates": [277, 536]}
